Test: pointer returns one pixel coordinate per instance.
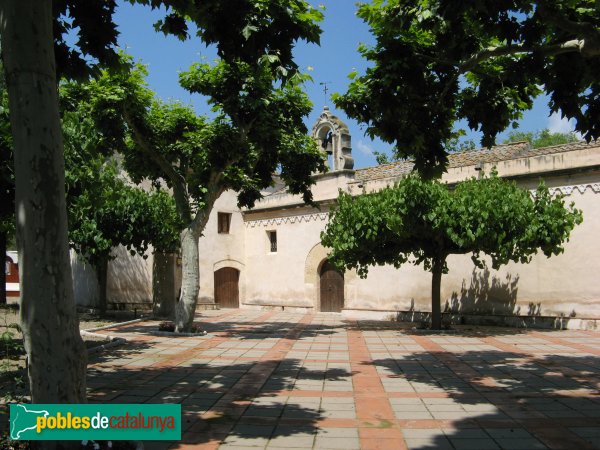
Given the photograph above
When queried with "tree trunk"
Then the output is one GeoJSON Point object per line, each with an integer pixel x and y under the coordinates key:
{"type": "Point", "coordinates": [57, 356]}
{"type": "Point", "coordinates": [163, 285]}
{"type": "Point", "coordinates": [436, 285]}
{"type": "Point", "coordinates": [190, 285]}
{"type": "Point", "coordinates": [3, 274]}
{"type": "Point", "coordinates": [102, 277]}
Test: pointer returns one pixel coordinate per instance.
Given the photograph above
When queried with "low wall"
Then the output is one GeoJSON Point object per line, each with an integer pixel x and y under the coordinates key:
{"type": "Point", "coordinates": [499, 320]}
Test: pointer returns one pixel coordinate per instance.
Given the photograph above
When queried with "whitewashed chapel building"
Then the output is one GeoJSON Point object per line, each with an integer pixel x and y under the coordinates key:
{"type": "Point", "coordinates": [270, 256]}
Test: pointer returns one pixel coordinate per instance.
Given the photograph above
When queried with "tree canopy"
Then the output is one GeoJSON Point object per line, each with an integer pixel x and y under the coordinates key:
{"type": "Point", "coordinates": [104, 209]}
{"type": "Point", "coordinates": [485, 61]}
{"type": "Point", "coordinates": [99, 196]}
{"type": "Point", "coordinates": [258, 129]}
{"type": "Point", "coordinates": [245, 29]}
{"type": "Point", "coordinates": [422, 222]}
{"type": "Point", "coordinates": [542, 138]}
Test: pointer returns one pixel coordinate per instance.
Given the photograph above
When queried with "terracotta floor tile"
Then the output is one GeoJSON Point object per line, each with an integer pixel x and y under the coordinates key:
{"type": "Point", "coordinates": [382, 444]}
{"type": "Point", "coordinates": [373, 408]}
{"type": "Point", "coordinates": [380, 433]}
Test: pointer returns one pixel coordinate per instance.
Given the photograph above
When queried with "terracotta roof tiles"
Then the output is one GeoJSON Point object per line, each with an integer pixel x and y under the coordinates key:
{"type": "Point", "coordinates": [498, 153]}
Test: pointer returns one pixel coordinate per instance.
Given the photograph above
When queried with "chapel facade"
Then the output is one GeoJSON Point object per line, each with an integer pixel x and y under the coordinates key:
{"type": "Point", "coordinates": [270, 256]}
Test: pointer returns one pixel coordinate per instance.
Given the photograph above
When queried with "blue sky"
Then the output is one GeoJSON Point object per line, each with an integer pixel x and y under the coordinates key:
{"type": "Point", "coordinates": [330, 62]}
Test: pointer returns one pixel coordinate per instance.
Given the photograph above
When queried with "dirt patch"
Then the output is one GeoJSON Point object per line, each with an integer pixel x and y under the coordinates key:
{"type": "Point", "coordinates": [13, 375]}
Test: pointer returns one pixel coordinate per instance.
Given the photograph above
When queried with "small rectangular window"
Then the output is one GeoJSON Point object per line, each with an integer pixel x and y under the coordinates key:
{"type": "Point", "coordinates": [224, 221]}
{"type": "Point", "coordinates": [272, 241]}
{"type": "Point", "coordinates": [7, 267]}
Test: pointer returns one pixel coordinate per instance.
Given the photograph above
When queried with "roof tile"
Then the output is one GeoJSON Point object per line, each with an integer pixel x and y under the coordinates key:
{"type": "Point", "coordinates": [498, 153]}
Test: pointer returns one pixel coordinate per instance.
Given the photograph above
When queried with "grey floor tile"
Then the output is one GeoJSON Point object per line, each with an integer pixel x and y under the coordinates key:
{"type": "Point", "coordinates": [520, 444]}
{"type": "Point", "coordinates": [349, 443]}
{"type": "Point", "coordinates": [474, 444]}
{"type": "Point", "coordinates": [429, 444]}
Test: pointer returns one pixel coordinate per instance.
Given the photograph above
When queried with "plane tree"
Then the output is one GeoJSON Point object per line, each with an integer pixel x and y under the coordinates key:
{"type": "Point", "coordinates": [105, 210]}
{"type": "Point", "coordinates": [435, 62]}
{"type": "Point", "coordinates": [35, 49]}
{"type": "Point", "coordinates": [423, 221]}
{"type": "Point", "coordinates": [258, 129]}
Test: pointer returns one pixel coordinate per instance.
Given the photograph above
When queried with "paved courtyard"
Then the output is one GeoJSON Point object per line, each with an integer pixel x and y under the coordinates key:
{"type": "Point", "coordinates": [275, 380]}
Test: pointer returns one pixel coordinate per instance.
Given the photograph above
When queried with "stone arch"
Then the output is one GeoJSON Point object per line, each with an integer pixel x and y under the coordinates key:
{"type": "Point", "coordinates": [228, 263]}
{"type": "Point", "coordinates": [333, 137]}
{"type": "Point", "coordinates": [315, 259]}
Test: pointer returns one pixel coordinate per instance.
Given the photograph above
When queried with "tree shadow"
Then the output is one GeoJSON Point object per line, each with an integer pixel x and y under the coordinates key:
{"type": "Point", "coordinates": [129, 281]}
{"type": "Point", "coordinates": [247, 330]}
{"type": "Point", "coordinates": [494, 399]}
{"type": "Point", "coordinates": [464, 398]}
{"type": "Point", "coordinates": [262, 330]}
{"type": "Point", "coordinates": [222, 401]}
{"type": "Point", "coordinates": [486, 294]}
{"type": "Point", "coordinates": [126, 351]}
{"type": "Point", "coordinates": [489, 300]}
{"type": "Point", "coordinates": [420, 328]}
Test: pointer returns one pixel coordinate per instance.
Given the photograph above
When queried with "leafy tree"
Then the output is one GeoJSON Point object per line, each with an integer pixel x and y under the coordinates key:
{"type": "Point", "coordinates": [543, 138]}
{"type": "Point", "coordinates": [437, 61]}
{"type": "Point", "coordinates": [56, 354]}
{"type": "Point", "coordinates": [258, 129]}
{"type": "Point", "coordinates": [382, 158]}
{"type": "Point", "coordinates": [30, 30]}
{"type": "Point", "coordinates": [423, 222]}
{"type": "Point", "coordinates": [104, 210]}
{"type": "Point", "coordinates": [456, 144]}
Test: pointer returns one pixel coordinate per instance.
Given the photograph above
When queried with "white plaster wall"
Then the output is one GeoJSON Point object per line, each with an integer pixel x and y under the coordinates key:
{"type": "Point", "coordinates": [561, 284]}
{"type": "Point", "coordinates": [326, 187]}
{"type": "Point", "coordinates": [130, 279]}
{"type": "Point", "coordinates": [222, 250]}
{"type": "Point", "coordinates": [279, 278]}
{"type": "Point", "coordinates": [85, 285]}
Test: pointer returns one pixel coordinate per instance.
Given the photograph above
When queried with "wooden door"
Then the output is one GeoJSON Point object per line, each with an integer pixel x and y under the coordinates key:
{"type": "Point", "coordinates": [332, 288]}
{"type": "Point", "coordinates": [227, 293]}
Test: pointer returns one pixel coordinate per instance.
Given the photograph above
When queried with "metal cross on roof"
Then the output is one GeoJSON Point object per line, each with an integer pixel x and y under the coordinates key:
{"type": "Point", "coordinates": [325, 88]}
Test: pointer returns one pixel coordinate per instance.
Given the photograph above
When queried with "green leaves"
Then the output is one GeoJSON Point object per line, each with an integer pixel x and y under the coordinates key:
{"type": "Point", "coordinates": [543, 138]}
{"type": "Point", "coordinates": [245, 30]}
{"type": "Point", "coordinates": [7, 178]}
{"type": "Point", "coordinates": [104, 210]}
{"type": "Point", "coordinates": [436, 62]}
{"type": "Point", "coordinates": [426, 221]}
{"type": "Point", "coordinates": [258, 129]}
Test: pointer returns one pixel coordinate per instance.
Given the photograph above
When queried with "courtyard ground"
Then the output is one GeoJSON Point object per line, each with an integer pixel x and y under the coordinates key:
{"type": "Point", "coordinates": [275, 380]}
{"type": "Point", "coordinates": [12, 352]}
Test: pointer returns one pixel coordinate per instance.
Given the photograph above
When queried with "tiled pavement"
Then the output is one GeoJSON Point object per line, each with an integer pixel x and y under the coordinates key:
{"type": "Point", "coordinates": [267, 380]}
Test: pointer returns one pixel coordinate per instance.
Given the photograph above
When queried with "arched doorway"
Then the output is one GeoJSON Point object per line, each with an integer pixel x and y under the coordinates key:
{"type": "Point", "coordinates": [227, 291]}
{"type": "Point", "coordinates": [331, 288]}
